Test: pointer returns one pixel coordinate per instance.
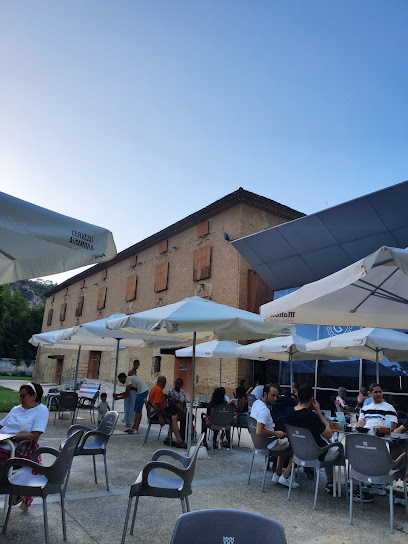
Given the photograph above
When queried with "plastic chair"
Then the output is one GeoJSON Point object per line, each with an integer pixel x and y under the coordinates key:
{"type": "Point", "coordinates": [149, 484]}
{"type": "Point", "coordinates": [234, 526]}
{"type": "Point", "coordinates": [221, 420]}
{"type": "Point", "coordinates": [94, 441]}
{"type": "Point", "coordinates": [306, 453]}
{"type": "Point", "coordinates": [49, 480]}
{"type": "Point", "coordinates": [251, 399]}
{"type": "Point", "coordinates": [66, 402]}
{"type": "Point", "coordinates": [86, 403]}
{"type": "Point", "coordinates": [239, 424]}
{"type": "Point", "coordinates": [153, 419]}
{"type": "Point", "coordinates": [370, 461]}
{"type": "Point", "coordinates": [260, 444]}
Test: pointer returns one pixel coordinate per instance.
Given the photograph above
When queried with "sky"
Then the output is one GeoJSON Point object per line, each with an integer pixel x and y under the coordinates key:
{"type": "Point", "coordinates": [133, 114]}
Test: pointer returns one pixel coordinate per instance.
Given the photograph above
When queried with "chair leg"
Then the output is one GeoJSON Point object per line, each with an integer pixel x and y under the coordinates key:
{"type": "Point", "coordinates": [316, 488]}
{"type": "Point", "coordinates": [126, 519]}
{"type": "Point", "coordinates": [94, 466]}
{"type": "Point", "coordinates": [8, 513]}
{"type": "Point", "coordinates": [45, 521]}
{"type": "Point", "coordinates": [346, 483]}
{"type": "Point", "coordinates": [183, 506]}
{"type": "Point", "coordinates": [134, 516]}
{"type": "Point", "coordinates": [106, 473]}
{"type": "Point", "coordinates": [250, 468]}
{"type": "Point", "coordinates": [351, 501]}
{"type": "Point", "coordinates": [391, 508]}
{"type": "Point", "coordinates": [64, 523]}
{"type": "Point", "coordinates": [187, 504]}
{"type": "Point", "coordinates": [264, 476]}
{"type": "Point", "coordinates": [360, 488]}
{"type": "Point", "coordinates": [147, 433]}
{"type": "Point", "coordinates": [292, 472]}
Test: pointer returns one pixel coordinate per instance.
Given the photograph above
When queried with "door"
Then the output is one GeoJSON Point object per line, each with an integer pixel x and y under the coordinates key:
{"type": "Point", "coordinates": [58, 369]}
{"type": "Point", "coordinates": [182, 369]}
{"type": "Point", "coordinates": [94, 364]}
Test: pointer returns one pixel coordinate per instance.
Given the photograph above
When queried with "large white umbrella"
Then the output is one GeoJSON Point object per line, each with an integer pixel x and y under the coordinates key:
{"type": "Point", "coordinates": [36, 242]}
{"type": "Point", "coordinates": [202, 318]}
{"type": "Point", "coordinates": [216, 349]}
{"type": "Point", "coordinates": [95, 336]}
{"type": "Point", "coordinates": [286, 348]}
{"type": "Point", "coordinates": [370, 293]}
{"type": "Point", "coordinates": [367, 343]}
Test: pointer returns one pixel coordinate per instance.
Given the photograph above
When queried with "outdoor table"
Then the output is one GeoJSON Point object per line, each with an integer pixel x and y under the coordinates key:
{"type": "Point", "coordinates": [6, 438]}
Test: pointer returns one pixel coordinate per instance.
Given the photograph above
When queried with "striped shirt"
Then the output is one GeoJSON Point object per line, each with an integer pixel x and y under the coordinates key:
{"type": "Point", "coordinates": [375, 414]}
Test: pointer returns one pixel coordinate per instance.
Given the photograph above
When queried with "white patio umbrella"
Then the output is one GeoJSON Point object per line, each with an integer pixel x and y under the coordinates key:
{"type": "Point", "coordinates": [216, 349]}
{"type": "Point", "coordinates": [286, 348]}
{"type": "Point", "coordinates": [370, 293]}
{"type": "Point", "coordinates": [36, 242]}
{"type": "Point", "coordinates": [95, 336]}
{"type": "Point", "coordinates": [365, 344]}
{"type": "Point", "coordinates": [202, 318]}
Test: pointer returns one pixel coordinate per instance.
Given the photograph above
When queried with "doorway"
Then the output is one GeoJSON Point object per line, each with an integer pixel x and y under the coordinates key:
{"type": "Point", "coordinates": [182, 369]}
{"type": "Point", "coordinates": [94, 364]}
{"type": "Point", "coordinates": [58, 369]}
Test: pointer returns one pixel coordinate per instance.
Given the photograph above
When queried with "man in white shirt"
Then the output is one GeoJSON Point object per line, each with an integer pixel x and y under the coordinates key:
{"type": "Point", "coordinates": [265, 427]}
{"type": "Point", "coordinates": [378, 412]}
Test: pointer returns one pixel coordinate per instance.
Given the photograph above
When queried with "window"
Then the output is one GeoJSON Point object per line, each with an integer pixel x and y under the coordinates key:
{"type": "Point", "coordinates": [156, 364]}
{"type": "Point", "coordinates": [161, 277]}
{"type": "Point", "coordinates": [163, 246]}
{"type": "Point", "coordinates": [104, 273]}
{"type": "Point", "coordinates": [79, 306]}
{"type": "Point", "coordinates": [101, 297]}
{"type": "Point", "coordinates": [203, 228]}
{"type": "Point", "coordinates": [82, 284]}
{"type": "Point", "coordinates": [49, 317]}
{"type": "Point", "coordinates": [131, 284]}
{"type": "Point", "coordinates": [63, 311]}
{"type": "Point", "coordinates": [133, 261]}
{"type": "Point", "coordinates": [202, 263]}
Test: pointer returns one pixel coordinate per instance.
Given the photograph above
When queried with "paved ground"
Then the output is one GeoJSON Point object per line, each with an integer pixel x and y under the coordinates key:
{"type": "Point", "coordinates": [96, 516]}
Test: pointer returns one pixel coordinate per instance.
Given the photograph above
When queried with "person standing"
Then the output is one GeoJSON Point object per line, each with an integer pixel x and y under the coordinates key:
{"type": "Point", "coordinates": [129, 396]}
{"type": "Point", "coordinates": [141, 396]}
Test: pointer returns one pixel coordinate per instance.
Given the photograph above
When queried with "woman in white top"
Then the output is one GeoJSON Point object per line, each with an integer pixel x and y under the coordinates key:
{"type": "Point", "coordinates": [27, 421]}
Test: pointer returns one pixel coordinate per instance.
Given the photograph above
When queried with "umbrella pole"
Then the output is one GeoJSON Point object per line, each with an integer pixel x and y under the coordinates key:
{"type": "Point", "coordinates": [220, 371]}
{"type": "Point", "coordinates": [377, 366]}
{"type": "Point", "coordinates": [190, 408]}
{"type": "Point", "coordinates": [291, 370]}
{"type": "Point", "coordinates": [76, 368]}
{"type": "Point", "coordinates": [115, 379]}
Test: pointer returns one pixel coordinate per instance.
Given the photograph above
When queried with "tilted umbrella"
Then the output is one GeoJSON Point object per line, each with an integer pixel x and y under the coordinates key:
{"type": "Point", "coordinates": [372, 292]}
{"type": "Point", "coordinates": [36, 242]}
{"type": "Point", "coordinates": [363, 344]}
{"type": "Point", "coordinates": [202, 318]}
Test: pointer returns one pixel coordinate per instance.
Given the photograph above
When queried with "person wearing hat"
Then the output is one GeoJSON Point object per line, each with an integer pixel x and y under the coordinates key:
{"type": "Point", "coordinates": [341, 402]}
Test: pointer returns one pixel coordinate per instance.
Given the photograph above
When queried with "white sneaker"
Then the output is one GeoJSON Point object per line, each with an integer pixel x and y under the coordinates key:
{"type": "Point", "coordinates": [275, 478]}
{"type": "Point", "coordinates": [286, 481]}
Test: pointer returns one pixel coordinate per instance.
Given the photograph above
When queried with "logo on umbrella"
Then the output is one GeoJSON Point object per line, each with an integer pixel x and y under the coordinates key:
{"type": "Point", "coordinates": [334, 331]}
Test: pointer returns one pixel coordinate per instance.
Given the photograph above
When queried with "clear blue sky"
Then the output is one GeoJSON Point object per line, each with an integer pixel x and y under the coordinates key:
{"type": "Point", "coordinates": [133, 114]}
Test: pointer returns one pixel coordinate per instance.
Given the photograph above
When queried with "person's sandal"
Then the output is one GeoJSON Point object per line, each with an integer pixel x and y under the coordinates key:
{"type": "Point", "coordinates": [181, 445]}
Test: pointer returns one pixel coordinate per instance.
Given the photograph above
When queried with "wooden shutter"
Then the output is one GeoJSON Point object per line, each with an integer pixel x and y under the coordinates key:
{"type": "Point", "coordinates": [164, 244]}
{"type": "Point", "coordinates": [133, 261]}
{"type": "Point", "coordinates": [131, 284]}
{"type": "Point", "coordinates": [49, 317]}
{"type": "Point", "coordinates": [104, 273]}
{"type": "Point", "coordinates": [203, 228]}
{"type": "Point", "coordinates": [258, 292]}
{"type": "Point", "coordinates": [82, 284]}
{"type": "Point", "coordinates": [63, 311]}
{"type": "Point", "coordinates": [101, 297]}
{"type": "Point", "coordinates": [66, 291]}
{"type": "Point", "coordinates": [79, 306]}
{"type": "Point", "coordinates": [202, 263]}
{"type": "Point", "coordinates": [161, 277]}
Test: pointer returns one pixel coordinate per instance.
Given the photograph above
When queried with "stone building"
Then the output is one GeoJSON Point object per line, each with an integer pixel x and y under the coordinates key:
{"type": "Point", "coordinates": [190, 257]}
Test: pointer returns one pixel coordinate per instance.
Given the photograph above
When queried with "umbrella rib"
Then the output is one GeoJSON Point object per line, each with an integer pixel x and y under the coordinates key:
{"type": "Point", "coordinates": [387, 295]}
{"type": "Point", "coordinates": [373, 291]}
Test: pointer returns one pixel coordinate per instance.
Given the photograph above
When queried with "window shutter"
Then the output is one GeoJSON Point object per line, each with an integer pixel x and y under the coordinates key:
{"type": "Point", "coordinates": [161, 277]}
{"type": "Point", "coordinates": [79, 306]}
{"type": "Point", "coordinates": [104, 273]}
{"type": "Point", "coordinates": [82, 284]}
{"type": "Point", "coordinates": [258, 292]}
{"type": "Point", "coordinates": [164, 244]}
{"type": "Point", "coordinates": [203, 228]}
{"type": "Point", "coordinates": [63, 311]}
{"type": "Point", "coordinates": [202, 263]}
{"type": "Point", "coordinates": [133, 261]}
{"type": "Point", "coordinates": [101, 297]}
{"type": "Point", "coordinates": [49, 317]}
{"type": "Point", "coordinates": [66, 291]}
{"type": "Point", "coordinates": [131, 284]}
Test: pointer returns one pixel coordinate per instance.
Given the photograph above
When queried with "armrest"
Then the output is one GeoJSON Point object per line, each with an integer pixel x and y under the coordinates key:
{"type": "Point", "coordinates": [22, 444]}
{"type": "Point", "coordinates": [77, 427]}
{"type": "Point", "coordinates": [45, 449]}
{"type": "Point", "coordinates": [183, 459]}
{"type": "Point", "coordinates": [153, 465]}
{"type": "Point", "coordinates": [399, 462]}
{"type": "Point", "coordinates": [20, 462]}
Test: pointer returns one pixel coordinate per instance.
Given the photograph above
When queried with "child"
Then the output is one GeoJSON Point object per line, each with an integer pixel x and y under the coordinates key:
{"type": "Point", "coordinates": [103, 407]}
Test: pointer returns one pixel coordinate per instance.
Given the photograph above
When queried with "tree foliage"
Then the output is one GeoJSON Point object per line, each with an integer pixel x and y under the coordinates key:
{"type": "Point", "coordinates": [17, 324]}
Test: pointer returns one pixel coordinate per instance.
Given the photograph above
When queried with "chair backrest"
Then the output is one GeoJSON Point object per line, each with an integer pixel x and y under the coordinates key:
{"type": "Point", "coordinates": [89, 390]}
{"type": "Point", "coordinates": [58, 471]}
{"type": "Point", "coordinates": [108, 423]}
{"type": "Point", "coordinates": [259, 442]}
{"type": "Point", "coordinates": [222, 415]}
{"type": "Point", "coordinates": [368, 455]}
{"type": "Point", "coordinates": [189, 475]}
{"type": "Point", "coordinates": [68, 400]}
{"type": "Point", "coordinates": [303, 444]}
{"type": "Point", "coordinates": [251, 400]}
{"type": "Point", "coordinates": [227, 526]}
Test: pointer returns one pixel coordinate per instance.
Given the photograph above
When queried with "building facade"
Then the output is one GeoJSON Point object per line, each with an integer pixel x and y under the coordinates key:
{"type": "Point", "coordinates": [191, 257]}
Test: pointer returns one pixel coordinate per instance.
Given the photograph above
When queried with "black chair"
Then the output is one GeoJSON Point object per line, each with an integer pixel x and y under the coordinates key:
{"type": "Point", "coordinates": [50, 480]}
{"type": "Point", "coordinates": [150, 484]}
{"type": "Point", "coordinates": [66, 402]}
{"type": "Point", "coordinates": [233, 526]}
{"type": "Point", "coordinates": [221, 420]}
{"type": "Point", "coordinates": [85, 403]}
{"type": "Point", "coordinates": [239, 424]}
{"type": "Point", "coordinates": [94, 441]}
{"type": "Point", "coordinates": [153, 419]}
{"type": "Point", "coordinates": [251, 399]}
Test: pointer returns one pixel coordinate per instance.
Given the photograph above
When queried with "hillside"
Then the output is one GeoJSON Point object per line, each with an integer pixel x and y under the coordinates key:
{"type": "Point", "coordinates": [32, 291]}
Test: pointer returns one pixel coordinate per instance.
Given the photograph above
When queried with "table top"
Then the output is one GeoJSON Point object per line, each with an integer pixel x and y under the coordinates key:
{"type": "Point", "coordinates": [6, 436]}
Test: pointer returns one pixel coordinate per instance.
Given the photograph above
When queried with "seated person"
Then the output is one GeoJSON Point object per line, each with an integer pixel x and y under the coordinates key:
{"type": "Point", "coordinates": [240, 390]}
{"type": "Point", "coordinates": [402, 428]}
{"type": "Point", "coordinates": [362, 397]}
{"type": "Point", "coordinates": [176, 398]}
{"type": "Point", "coordinates": [27, 421]}
{"type": "Point", "coordinates": [256, 391]}
{"type": "Point", "coordinates": [375, 414]}
{"type": "Point", "coordinates": [157, 402]}
{"type": "Point", "coordinates": [295, 389]}
{"type": "Point", "coordinates": [218, 398]}
{"type": "Point", "coordinates": [241, 406]}
{"type": "Point", "coordinates": [307, 414]}
{"type": "Point", "coordinates": [340, 401]}
{"type": "Point", "coordinates": [265, 426]}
